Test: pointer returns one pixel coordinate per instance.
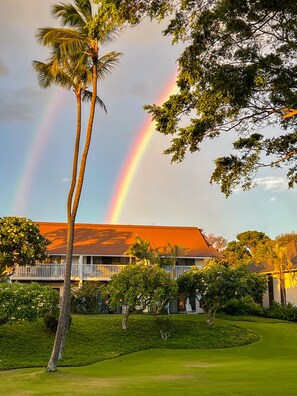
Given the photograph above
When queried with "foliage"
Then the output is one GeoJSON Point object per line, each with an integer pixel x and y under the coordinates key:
{"type": "Point", "coordinates": [26, 302]}
{"type": "Point", "coordinates": [138, 287]}
{"type": "Point", "coordinates": [243, 306]}
{"type": "Point", "coordinates": [164, 325]}
{"type": "Point", "coordinates": [142, 251]}
{"type": "Point", "coordinates": [286, 238]}
{"type": "Point", "coordinates": [216, 284]}
{"type": "Point", "coordinates": [217, 241]}
{"type": "Point", "coordinates": [86, 299]}
{"type": "Point", "coordinates": [237, 73]}
{"type": "Point", "coordinates": [240, 252]}
{"type": "Point", "coordinates": [286, 311]}
{"type": "Point", "coordinates": [20, 244]}
{"type": "Point", "coordinates": [276, 257]}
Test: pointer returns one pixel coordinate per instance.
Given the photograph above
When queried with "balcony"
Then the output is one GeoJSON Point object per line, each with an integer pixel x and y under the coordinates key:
{"type": "Point", "coordinates": [85, 272]}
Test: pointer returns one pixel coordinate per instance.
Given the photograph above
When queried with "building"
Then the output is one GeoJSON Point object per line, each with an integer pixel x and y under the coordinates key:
{"type": "Point", "coordinates": [273, 283]}
{"type": "Point", "coordinates": [100, 251]}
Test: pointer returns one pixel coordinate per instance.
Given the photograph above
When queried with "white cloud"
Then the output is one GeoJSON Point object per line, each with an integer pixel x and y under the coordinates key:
{"type": "Point", "coordinates": [272, 199]}
{"type": "Point", "coordinates": [273, 184]}
{"type": "Point", "coordinates": [65, 180]}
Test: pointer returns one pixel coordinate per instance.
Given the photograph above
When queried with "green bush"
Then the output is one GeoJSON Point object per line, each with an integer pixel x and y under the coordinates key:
{"type": "Point", "coordinates": [243, 306]}
{"type": "Point", "coordinates": [86, 299]}
{"type": "Point", "coordinates": [51, 320]}
{"type": "Point", "coordinates": [26, 302]}
{"type": "Point", "coordinates": [284, 312]}
{"type": "Point", "coordinates": [164, 326]}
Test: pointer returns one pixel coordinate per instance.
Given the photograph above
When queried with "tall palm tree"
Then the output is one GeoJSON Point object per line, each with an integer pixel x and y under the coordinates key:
{"type": "Point", "coordinates": [80, 39]}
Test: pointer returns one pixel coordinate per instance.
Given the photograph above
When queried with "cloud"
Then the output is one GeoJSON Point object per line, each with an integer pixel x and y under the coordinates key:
{"type": "Point", "coordinates": [272, 199]}
{"type": "Point", "coordinates": [65, 180]}
{"type": "Point", "coordinates": [273, 184]}
{"type": "Point", "coordinates": [19, 105]}
{"type": "Point", "coordinates": [3, 68]}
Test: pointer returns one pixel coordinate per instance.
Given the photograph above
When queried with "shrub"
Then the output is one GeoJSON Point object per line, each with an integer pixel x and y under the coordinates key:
{"type": "Point", "coordinates": [284, 312]}
{"type": "Point", "coordinates": [243, 306]}
{"type": "Point", "coordinates": [51, 320]}
{"type": "Point", "coordinates": [164, 325]}
{"type": "Point", "coordinates": [28, 302]}
{"type": "Point", "coordinates": [86, 299]}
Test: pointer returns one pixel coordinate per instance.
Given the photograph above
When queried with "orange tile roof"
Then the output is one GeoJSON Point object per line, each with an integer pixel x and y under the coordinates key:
{"type": "Point", "coordinates": [114, 240]}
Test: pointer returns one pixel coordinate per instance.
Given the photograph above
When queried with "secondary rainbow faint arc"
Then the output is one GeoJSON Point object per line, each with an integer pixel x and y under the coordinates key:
{"type": "Point", "coordinates": [34, 154]}
{"type": "Point", "coordinates": [134, 157]}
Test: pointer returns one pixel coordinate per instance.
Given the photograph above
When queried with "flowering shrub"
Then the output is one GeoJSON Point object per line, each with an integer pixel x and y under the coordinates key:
{"type": "Point", "coordinates": [138, 287]}
{"type": "Point", "coordinates": [216, 284]}
{"type": "Point", "coordinates": [19, 301]}
{"type": "Point", "coordinates": [20, 244]}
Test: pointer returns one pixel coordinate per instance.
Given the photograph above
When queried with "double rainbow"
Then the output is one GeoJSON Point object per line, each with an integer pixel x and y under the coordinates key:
{"type": "Point", "coordinates": [133, 159]}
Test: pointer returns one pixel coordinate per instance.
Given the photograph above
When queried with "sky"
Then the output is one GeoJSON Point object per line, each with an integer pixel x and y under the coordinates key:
{"type": "Point", "coordinates": [37, 135]}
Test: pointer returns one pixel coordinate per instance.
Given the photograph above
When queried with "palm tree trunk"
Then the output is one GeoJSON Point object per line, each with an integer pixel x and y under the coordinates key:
{"type": "Point", "coordinates": [62, 329]}
{"type": "Point", "coordinates": [63, 324]}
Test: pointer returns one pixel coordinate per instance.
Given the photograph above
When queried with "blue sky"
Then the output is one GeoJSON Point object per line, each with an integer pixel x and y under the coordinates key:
{"type": "Point", "coordinates": [161, 193]}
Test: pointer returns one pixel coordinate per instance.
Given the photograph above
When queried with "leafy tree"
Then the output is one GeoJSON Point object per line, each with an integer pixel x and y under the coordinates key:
{"type": "Point", "coordinates": [138, 287]}
{"type": "Point", "coordinates": [217, 241]}
{"type": "Point", "coordinates": [77, 42]}
{"type": "Point", "coordinates": [26, 302]}
{"type": "Point", "coordinates": [286, 238]}
{"type": "Point", "coordinates": [20, 244]}
{"type": "Point", "coordinates": [216, 284]}
{"type": "Point", "coordinates": [240, 252]}
{"type": "Point", "coordinates": [86, 299]}
{"type": "Point", "coordinates": [237, 73]}
{"type": "Point", "coordinates": [276, 256]}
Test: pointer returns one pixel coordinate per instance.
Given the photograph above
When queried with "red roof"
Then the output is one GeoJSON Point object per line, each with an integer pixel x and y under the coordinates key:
{"type": "Point", "coordinates": [114, 240]}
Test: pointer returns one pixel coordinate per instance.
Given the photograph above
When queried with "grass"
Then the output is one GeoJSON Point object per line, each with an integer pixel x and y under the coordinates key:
{"type": "Point", "coordinates": [265, 367]}
{"type": "Point", "coordinates": [100, 337]}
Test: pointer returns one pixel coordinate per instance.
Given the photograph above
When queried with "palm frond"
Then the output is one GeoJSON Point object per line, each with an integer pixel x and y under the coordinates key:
{"type": "Point", "coordinates": [87, 97]}
{"type": "Point", "coordinates": [85, 8]}
{"type": "Point", "coordinates": [68, 15]}
{"type": "Point", "coordinates": [107, 62]}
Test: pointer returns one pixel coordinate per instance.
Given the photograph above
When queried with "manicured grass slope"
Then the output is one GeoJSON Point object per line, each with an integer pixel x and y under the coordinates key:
{"type": "Point", "coordinates": [100, 337]}
{"type": "Point", "coordinates": [266, 367]}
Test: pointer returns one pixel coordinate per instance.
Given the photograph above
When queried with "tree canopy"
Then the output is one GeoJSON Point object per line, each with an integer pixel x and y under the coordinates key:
{"type": "Point", "coordinates": [138, 287]}
{"type": "Point", "coordinates": [20, 244]}
{"type": "Point", "coordinates": [217, 283]}
{"type": "Point", "coordinates": [237, 73]}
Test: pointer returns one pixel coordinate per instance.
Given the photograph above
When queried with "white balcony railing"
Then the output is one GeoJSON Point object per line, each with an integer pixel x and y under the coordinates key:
{"type": "Point", "coordinates": [52, 272]}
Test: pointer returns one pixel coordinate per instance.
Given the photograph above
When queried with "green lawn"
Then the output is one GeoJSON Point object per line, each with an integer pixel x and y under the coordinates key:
{"type": "Point", "coordinates": [265, 367]}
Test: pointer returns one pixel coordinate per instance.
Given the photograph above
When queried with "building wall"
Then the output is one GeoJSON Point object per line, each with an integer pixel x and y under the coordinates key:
{"type": "Point", "coordinates": [291, 290]}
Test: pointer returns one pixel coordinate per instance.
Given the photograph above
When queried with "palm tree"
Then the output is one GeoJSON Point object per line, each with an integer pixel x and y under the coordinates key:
{"type": "Point", "coordinates": [277, 256]}
{"type": "Point", "coordinates": [142, 251]}
{"type": "Point", "coordinates": [81, 42]}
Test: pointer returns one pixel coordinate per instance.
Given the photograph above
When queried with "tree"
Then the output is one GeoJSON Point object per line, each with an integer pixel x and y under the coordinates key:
{"type": "Point", "coordinates": [20, 244]}
{"type": "Point", "coordinates": [237, 73]}
{"type": "Point", "coordinates": [215, 284]}
{"type": "Point", "coordinates": [241, 251]}
{"type": "Point", "coordinates": [86, 299]}
{"type": "Point", "coordinates": [276, 256]}
{"type": "Point", "coordinates": [142, 251]}
{"type": "Point", "coordinates": [217, 241]}
{"type": "Point", "coordinates": [79, 38]}
{"type": "Point", "coordinates": [170, 257]}
{"type": "Point", "coordinates": [26, 302]}
{"type": "Point", "coordinates": [138, 287]}
{"type": "Point", "coordinates": [286, 238]}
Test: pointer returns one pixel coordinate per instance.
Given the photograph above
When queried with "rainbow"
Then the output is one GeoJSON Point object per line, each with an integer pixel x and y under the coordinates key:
{"type": "Point", "coordinates": [34, 155]}
{"type": "Point", "coordinates": [133, 158]}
